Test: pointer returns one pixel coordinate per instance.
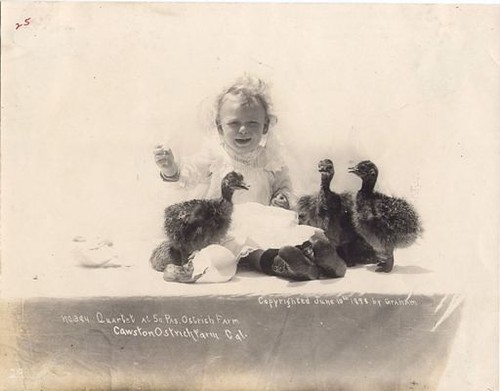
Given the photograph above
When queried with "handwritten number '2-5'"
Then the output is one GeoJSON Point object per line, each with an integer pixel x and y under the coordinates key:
{"type": "Point", "coordinates": [26, 23]}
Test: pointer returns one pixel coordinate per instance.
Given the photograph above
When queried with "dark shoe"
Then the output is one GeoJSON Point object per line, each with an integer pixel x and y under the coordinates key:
{"type": "Point", "coordinates": [327, 259]}
{"type": "Point", "coordinates": [292, 264]}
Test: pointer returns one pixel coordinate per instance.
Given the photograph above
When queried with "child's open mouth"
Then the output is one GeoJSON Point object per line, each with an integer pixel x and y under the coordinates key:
{"type": "Point", "coordinates": [242, 141]}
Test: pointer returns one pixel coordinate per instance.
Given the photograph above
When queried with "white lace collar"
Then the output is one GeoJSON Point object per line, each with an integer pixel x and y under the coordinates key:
{"type": "Point", "coordinates": [268, 153]}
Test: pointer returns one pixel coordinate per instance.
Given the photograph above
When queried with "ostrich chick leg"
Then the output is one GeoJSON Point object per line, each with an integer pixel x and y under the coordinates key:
{"type": "Point", "coordinates": [386, 262]}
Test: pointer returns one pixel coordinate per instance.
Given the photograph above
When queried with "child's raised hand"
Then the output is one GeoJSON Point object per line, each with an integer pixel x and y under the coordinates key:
{"type": "Point", "coordinates": [281, 201]}
{"type": "Point", "coordinates": [164, 159]}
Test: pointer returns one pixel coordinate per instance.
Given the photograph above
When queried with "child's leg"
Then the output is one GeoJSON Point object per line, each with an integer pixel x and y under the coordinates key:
{"type": "Point", "coordinates": [266, 261]}
{"type": "Point", "coordinates": [307, 261]}
{"type": "Point", "coordinates": [253, 260]}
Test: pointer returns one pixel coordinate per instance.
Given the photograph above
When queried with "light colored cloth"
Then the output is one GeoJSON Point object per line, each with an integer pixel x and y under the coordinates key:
{"type": "Point", "coordinates": [254, 227]}
{"type": "Point", "coordinates": [263, 169]}
{"type": "Point", "coordinates": [259, 227]}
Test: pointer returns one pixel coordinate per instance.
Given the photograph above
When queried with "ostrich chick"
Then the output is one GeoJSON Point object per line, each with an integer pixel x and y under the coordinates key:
{"type": "Point", "coordinates": [384, 222]}
{"type": "Point", "coordinates": [195, 224]}
{"type": "Point", "coordinates": [324, 209]}
{"type": "Point", "coordinates": [332, 213]}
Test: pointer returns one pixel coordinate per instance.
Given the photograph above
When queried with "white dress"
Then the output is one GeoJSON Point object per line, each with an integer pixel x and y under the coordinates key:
{"type": "Point", "coordinates": [253, 227]}
{"type": "Point", "coordinates": [254, 224]}
{"type": "Point", "coordinates": [263, 169]}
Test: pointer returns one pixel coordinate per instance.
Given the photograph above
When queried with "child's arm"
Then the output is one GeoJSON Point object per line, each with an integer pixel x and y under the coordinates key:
{"type": "Point", "coordinates": [164, 158]}
{"type": "Point", "coordinates": [190, 172]}
{"type": "Point", "coordinates": [282, 189]}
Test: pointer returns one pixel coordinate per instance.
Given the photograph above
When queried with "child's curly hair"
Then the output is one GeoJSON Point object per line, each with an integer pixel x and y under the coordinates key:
{"type": "Point", "coordinates": [251, 90]}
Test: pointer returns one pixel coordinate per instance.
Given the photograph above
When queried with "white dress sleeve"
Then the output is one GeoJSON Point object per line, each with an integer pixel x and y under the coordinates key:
{"type": "Point", "coordinates": [195, 169]}
{"type": "Point", "coordinates": [280, 181]}
{"type": "Point", "coordinates": [282, 184]}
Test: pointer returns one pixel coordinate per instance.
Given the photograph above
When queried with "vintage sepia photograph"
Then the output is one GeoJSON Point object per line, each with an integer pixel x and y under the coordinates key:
{"type": "Point", "coordinates": [244, 196]}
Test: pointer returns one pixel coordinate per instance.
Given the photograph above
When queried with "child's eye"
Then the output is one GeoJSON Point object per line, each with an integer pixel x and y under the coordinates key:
{"type": "Point", "coordinates": [253, 124]}
{"type": "Point", "coordinates": [233, 124]}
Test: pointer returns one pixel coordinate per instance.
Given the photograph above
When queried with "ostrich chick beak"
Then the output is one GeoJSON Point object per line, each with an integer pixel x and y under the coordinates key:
{"type": "Point", "coordinates": [243, 186]}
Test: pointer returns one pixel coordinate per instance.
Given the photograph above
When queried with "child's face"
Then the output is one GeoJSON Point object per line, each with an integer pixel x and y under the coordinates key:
{"type": "Point", "coordinates": [242, 125]}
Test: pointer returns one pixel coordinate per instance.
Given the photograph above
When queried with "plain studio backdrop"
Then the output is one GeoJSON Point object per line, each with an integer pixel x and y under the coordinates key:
{"type": "Point", "coordinates": [88, 90]}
